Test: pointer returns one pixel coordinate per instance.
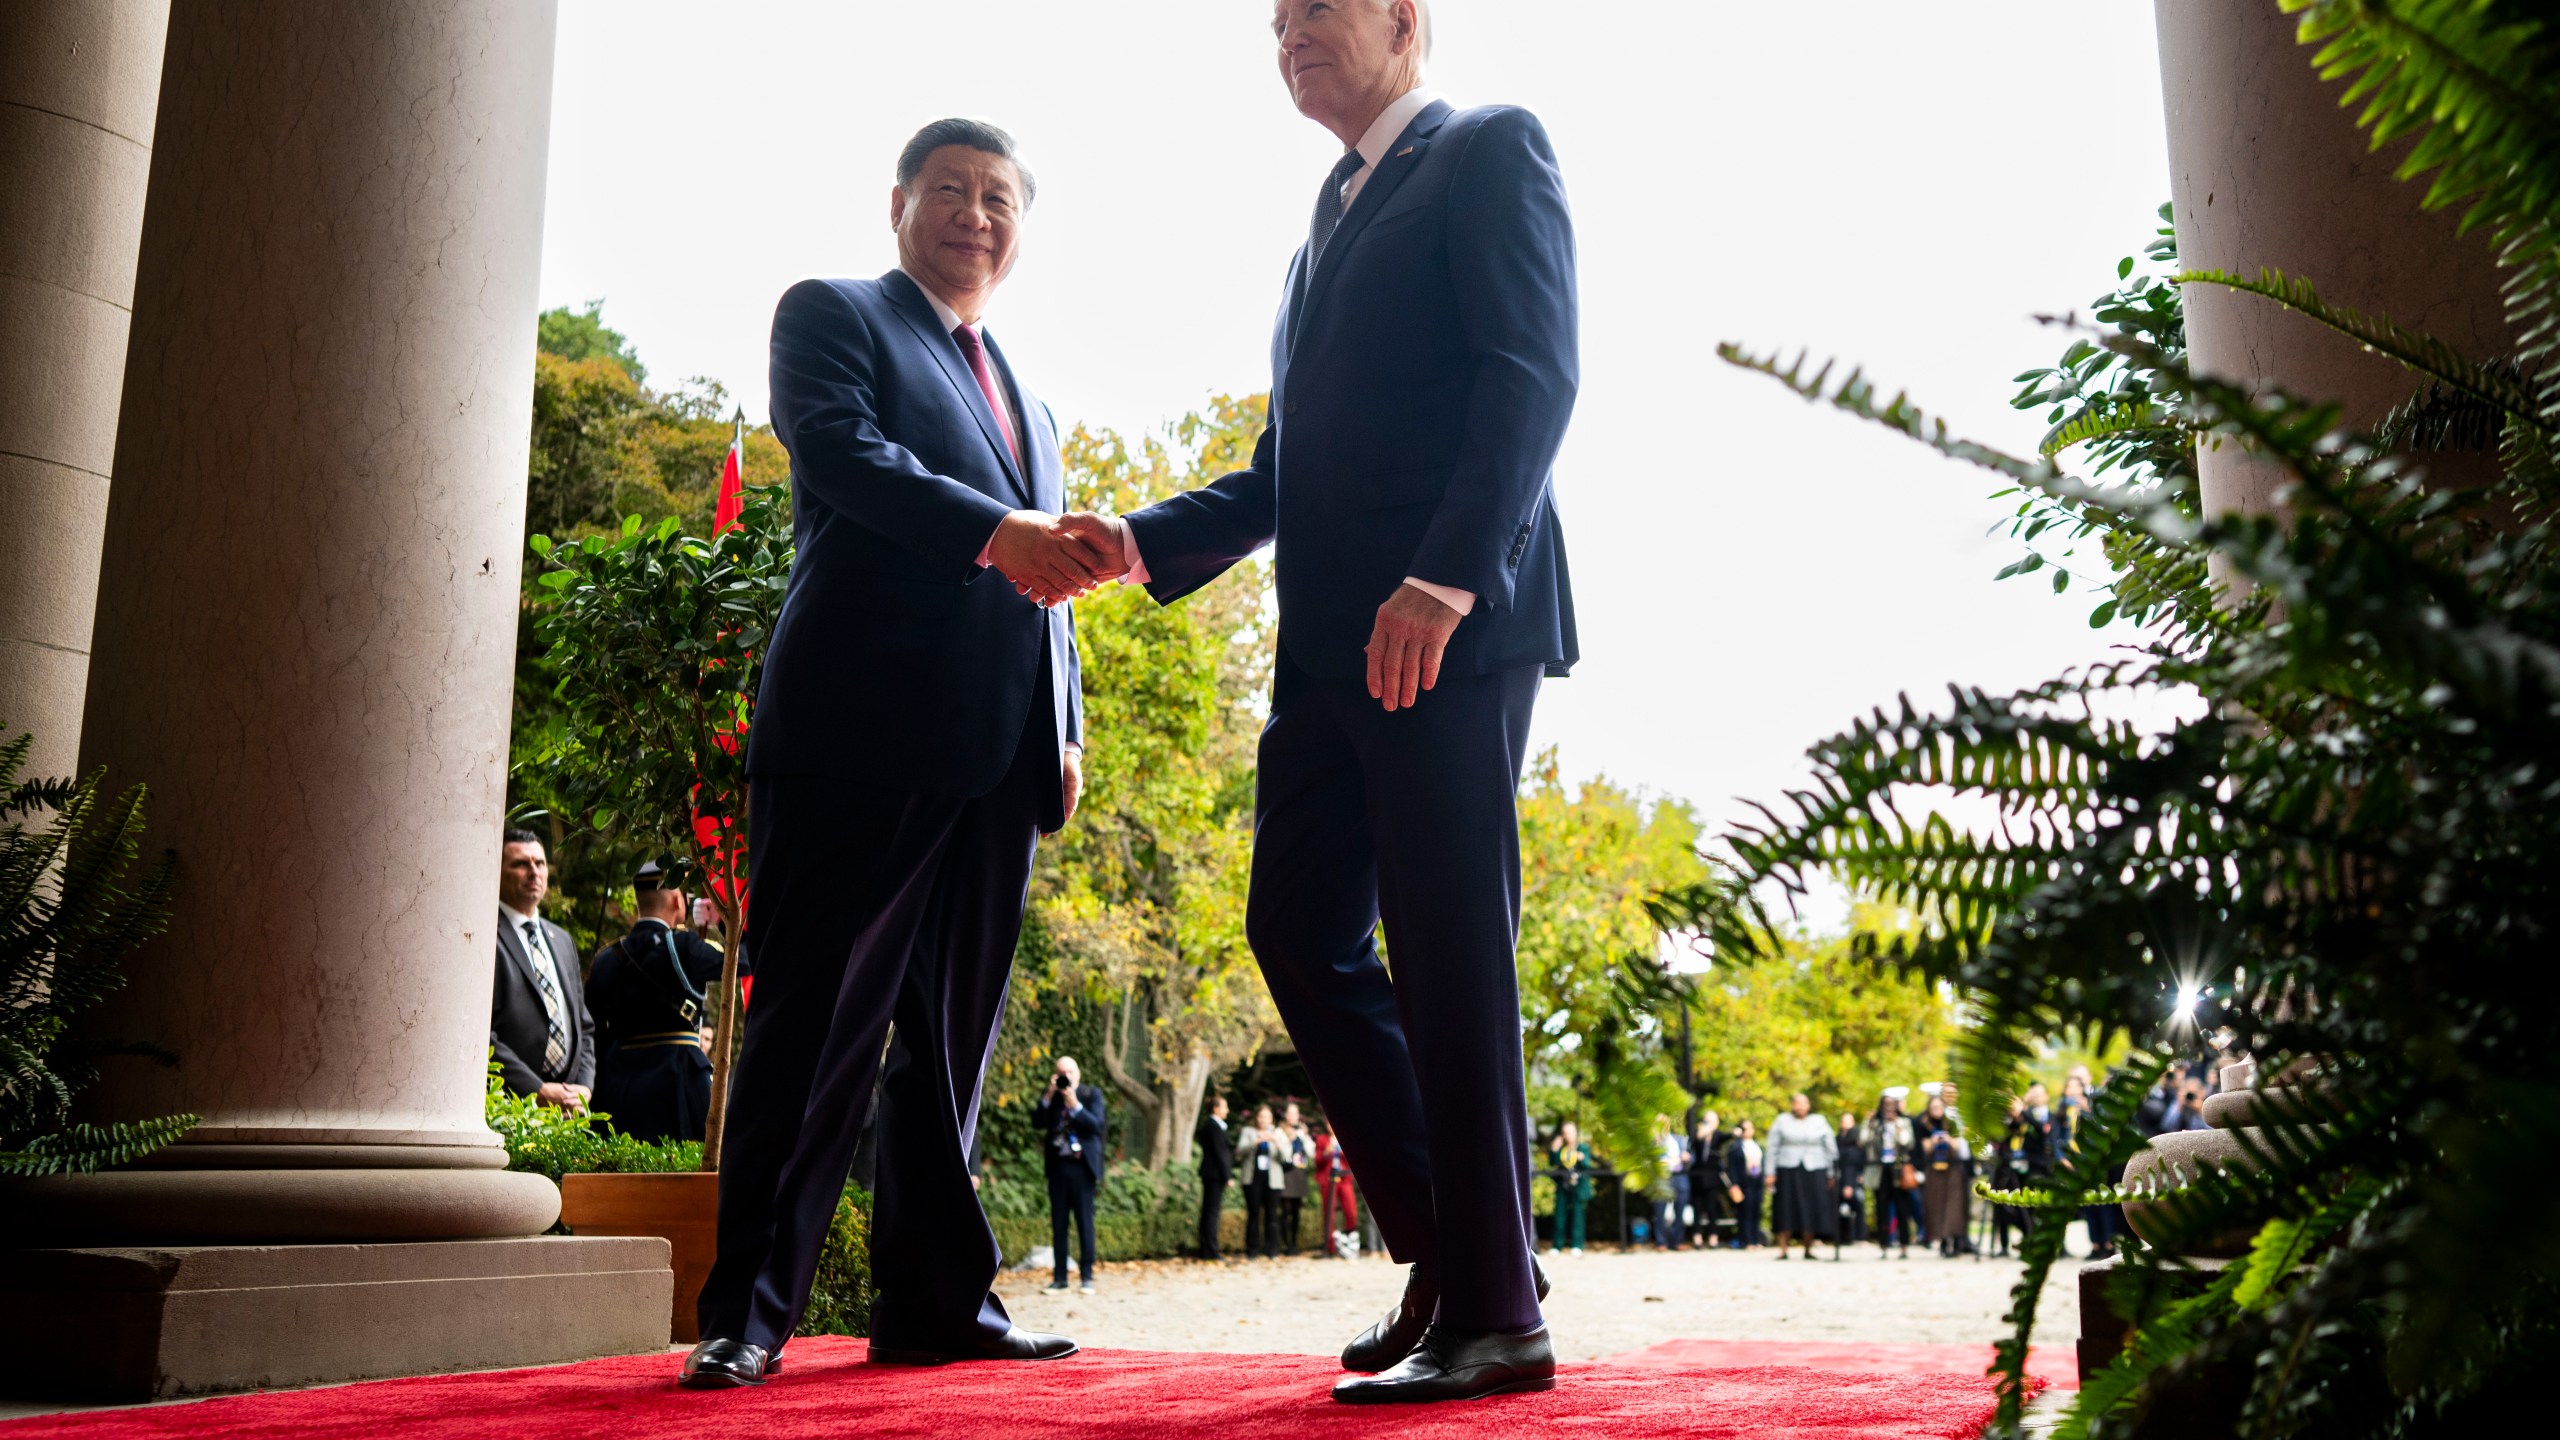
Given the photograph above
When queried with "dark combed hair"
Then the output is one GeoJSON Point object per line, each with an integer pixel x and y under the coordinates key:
{"type": "Point", "coordinates": [519, 837]}
{"type": "Point", "coordinates": [977, 135]}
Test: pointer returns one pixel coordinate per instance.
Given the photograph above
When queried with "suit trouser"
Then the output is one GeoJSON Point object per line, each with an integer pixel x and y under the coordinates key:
{"type": "Point", "coordinates": [1070, 1198]}
{"type": "Point", "coordinates": [870, 903]}
{"type": "Point", "coordinates": [1213, 1203]}
{"type": "Point", "coordinates": [1361, 815]}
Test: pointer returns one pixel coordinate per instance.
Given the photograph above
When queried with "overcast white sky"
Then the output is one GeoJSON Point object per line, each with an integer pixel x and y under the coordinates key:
{"type": "Point", "coordinates": [1904, 185]}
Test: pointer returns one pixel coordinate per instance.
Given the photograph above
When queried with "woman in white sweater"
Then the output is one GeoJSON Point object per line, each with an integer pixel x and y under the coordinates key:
{"type": "Point", "coordinates": [1802, 1151]}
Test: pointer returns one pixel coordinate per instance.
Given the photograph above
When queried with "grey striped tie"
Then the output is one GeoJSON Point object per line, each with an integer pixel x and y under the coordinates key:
{"type": "Point", "coordinates": [1329, 205]}
{"type": "Point", "coordinates": [546, 978]}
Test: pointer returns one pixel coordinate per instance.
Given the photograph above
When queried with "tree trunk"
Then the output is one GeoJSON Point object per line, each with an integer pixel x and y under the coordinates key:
{"type": "Point", "coordinates": [1160, 1144]}
{"type": "Point", "coordinates": [1185, 1107]}
{"type": "Point", "coordinates": [1115, 1063]}
{"type": "Point", "coordinates": [724, 1031]}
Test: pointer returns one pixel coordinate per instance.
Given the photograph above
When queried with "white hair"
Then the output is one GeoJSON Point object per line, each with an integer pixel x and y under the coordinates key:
{"type": "Point", "coordinates": [1422, 27]}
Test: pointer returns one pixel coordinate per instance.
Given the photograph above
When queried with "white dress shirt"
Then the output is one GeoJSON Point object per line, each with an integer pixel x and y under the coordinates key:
{"type": "Point", "coordinates": [537, 944]}
{"type": "Point", "coordinates": [1382, 132]}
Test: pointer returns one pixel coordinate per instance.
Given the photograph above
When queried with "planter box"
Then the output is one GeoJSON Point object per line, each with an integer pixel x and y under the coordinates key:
{"type": "Point", "coordinates": [682, 1209]}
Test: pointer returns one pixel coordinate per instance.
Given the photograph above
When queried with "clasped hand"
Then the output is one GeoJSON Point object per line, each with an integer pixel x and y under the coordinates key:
{"type": "Point", "coordinates": [1054, 559]}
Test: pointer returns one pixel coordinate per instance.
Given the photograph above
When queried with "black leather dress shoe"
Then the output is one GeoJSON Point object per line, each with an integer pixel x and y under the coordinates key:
{"type": "Point", "coordinates": [726, 1365]}
{"type": "Point", "coordinates": [1395, 1334]}
{"type": "Point", "coordinates": [1458, 1365]}
{"type": "Point", "coordinates": [1016, 1344]}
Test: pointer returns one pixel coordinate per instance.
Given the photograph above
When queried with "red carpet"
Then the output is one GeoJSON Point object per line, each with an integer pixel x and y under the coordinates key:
{"type": "Point", "coordinates": [827, 1391]}
{"type": "Point", "coordinates": [2056, 1367]}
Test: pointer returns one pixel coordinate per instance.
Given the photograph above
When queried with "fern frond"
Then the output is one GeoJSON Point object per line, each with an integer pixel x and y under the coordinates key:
{"type": "Point", "coordinates": [2483, 382]}
{"type": "Point", "coordinates": [2101, 423]}
{"type": "Point", "coordinates": [81, 1149]}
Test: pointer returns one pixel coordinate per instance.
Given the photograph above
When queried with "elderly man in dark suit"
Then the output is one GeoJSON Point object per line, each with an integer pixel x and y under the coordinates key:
{"type": "Point", "coordinates": [1423, 369]}
{"type": "Point", "coordinates": [919, 726]}
{"type": "Point", "coordinates": [538, 1022]}
{"type": "Point", "coordinates": [1071, 1122]}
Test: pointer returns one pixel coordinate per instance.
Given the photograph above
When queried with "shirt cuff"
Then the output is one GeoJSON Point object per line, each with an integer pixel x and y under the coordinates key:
{"type": "Point", "coordinates": [1137, 571]}
{"type": "Point", "coordinates": [987, 552]}
{"type": "Point", "coordinates": [1456, 599]}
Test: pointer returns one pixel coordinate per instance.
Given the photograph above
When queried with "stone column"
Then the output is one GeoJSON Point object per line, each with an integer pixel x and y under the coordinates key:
{"type": "Point", "coordinates": [306, 624]}
{"type": "Point", "coordinates": [78, 82]}
{"type": "Point", "coordinates": [2265, 170]}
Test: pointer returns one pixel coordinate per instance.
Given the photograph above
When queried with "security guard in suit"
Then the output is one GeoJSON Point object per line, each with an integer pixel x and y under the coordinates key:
{"type": "Point", "coordinates": [650, 994]}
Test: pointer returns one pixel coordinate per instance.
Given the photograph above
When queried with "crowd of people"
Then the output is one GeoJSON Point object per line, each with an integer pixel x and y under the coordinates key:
{"type": "Point", "coordinates": [1277, 1160]}
{"type": "Point", "coordinates": [1890, 1175]}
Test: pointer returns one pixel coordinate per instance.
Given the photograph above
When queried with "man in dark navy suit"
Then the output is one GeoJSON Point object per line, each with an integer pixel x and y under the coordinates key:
{"type": "Point", "coordinates": [919, 726]}
{"type": "Point", "coordinates": [1422, 373]}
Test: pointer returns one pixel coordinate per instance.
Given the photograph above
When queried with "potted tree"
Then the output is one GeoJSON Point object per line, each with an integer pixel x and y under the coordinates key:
{"type": "Point", "coordinates": [657, 638]}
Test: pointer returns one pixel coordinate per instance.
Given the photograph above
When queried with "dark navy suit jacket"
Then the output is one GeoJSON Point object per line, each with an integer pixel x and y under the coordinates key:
{"type": "Point", "coordinates": [1421, 379]}
{"type": "Point", "coordinates": [897, 659]}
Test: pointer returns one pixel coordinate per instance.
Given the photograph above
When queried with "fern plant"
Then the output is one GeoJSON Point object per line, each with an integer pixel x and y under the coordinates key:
{"type": "Point", "coordinates": [70, 910]}
{"type": "Point", "coordinates": [2346, 854]}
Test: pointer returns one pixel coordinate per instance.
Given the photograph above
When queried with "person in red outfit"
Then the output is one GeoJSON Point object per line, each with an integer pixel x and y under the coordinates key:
{"type": "Point", "coordinates": [1333, 1187]}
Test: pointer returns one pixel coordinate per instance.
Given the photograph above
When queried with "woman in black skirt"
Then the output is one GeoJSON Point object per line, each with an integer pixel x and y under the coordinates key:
{"type": "Point", "coordinates": [1801, 1154]}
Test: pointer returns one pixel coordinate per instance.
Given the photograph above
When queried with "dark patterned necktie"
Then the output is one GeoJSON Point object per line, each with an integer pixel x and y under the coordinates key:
{"type": "Point", "coordinates": [1329, 206]}
{"type": "Point", "coordinates": [546, 979]}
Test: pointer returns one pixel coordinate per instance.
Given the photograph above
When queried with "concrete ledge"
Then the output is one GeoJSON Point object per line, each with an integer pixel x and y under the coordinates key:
{"type": "Point", "coordinates": [148, 1324]}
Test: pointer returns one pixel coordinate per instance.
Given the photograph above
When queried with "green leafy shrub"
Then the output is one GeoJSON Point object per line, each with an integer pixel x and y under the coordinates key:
{"type": "Point", "coordinates": [840, 1301]}
{"type": "Point", "coordinates": [2344, 855]}
{"type": "Point", "coordinates": [547, 1140]}
{"type": "Point", "coordinates": [70, 911]}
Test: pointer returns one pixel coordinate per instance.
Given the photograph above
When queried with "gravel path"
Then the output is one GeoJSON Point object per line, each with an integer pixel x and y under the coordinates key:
{"type": "Point", "coordinates": [1604, 1303]}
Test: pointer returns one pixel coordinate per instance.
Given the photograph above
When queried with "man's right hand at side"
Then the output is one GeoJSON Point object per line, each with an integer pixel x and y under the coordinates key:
{"type": "Point", "coordinates": [1044, 559]}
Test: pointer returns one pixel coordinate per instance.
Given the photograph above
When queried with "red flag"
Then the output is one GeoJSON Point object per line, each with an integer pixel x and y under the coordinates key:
{"type": "Point", "coordinates": [733, 480]}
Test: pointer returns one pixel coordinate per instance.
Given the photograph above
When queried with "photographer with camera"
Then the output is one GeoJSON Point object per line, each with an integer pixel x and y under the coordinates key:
{"type": "Point", "coordinates": [1070, 1120]}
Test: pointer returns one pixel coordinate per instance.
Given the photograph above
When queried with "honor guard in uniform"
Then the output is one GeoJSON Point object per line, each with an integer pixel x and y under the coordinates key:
{"type": "Point", "coordinates": [650, 993]}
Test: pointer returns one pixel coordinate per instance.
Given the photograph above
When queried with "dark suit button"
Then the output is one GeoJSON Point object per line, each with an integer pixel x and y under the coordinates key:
{"type": "Point", "coordinates": [1290, 409]}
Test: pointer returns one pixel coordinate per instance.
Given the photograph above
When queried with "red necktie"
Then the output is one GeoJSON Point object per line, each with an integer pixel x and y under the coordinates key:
{"type": "Point", "coordinates": [970, 346]}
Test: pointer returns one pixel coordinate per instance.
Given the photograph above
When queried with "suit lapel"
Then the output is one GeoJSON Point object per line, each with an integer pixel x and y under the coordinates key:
{"type": "Point", "coordinates": [918, 313]}
{"type": "Point", "coordinates": [1402, 156]}
{"type": "Point", "coordinates": [511, 940]}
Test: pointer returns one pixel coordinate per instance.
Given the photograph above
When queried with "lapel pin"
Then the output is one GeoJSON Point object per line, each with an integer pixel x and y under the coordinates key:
{"type": "Point", "coordinates": [1404, 152]}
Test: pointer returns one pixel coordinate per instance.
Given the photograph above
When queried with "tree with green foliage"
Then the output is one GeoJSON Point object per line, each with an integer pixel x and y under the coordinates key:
{"type": "Point", "coordinates": [657, 638]}
{"type": "Point", "coordinates": [1815, 1015]}
{"type": "Point", "coordinates": [2346, 857]}
{"type": "Point", "coordinates": [580, 335]}
{"type": "Point", "coordinates": [605, 448]}
{"type": "Point", "coordinates": [1596, 1004]}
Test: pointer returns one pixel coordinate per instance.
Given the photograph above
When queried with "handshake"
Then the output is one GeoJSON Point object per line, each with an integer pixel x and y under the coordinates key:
{"type": "Point", "coordinates": [1054, 559]}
